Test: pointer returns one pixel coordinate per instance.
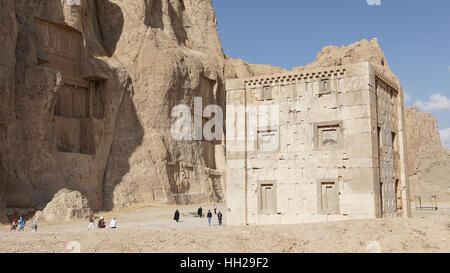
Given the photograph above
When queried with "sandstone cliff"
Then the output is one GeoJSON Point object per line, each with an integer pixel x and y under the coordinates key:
{"type": "Point", "coordinates": [423, 139]}
{"type": "Point", "coordinates": [428, 160]}
{"type": "Point", "coordinates": [9, 32]}
{"type": "Point", "coordinates": [362, 51]}
{"type": "Point", "coordinates": [54, 57]}
{"type": "Point", "coordinates": [173, 53]}
{"type": "Point", "coordinates": [88, 90]}
{"type": "Point", "coordinates": [65, 205]}
{"type": "Point", "coordinates": [87, 94]}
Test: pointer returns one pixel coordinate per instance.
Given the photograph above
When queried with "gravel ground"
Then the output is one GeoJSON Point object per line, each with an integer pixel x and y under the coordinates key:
{"type": "Point", "coordinates": [150, 229]}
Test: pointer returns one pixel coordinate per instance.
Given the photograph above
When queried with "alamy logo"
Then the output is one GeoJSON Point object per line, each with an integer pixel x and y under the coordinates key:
{"type": "Point", "coordinates": [246, 127]}
{"type": "Point", "coordinates": [74, 246]}
{"type": "Point", "coordinates": [374, 2]}
{"type": "Point", "coordinates": [373, 247]}
{"type": "Point", "coordinates": [74, 2]}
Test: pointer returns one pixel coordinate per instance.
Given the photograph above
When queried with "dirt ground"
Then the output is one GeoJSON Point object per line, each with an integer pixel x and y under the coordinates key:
{"type": "Point", "coordinates": [151, 229]}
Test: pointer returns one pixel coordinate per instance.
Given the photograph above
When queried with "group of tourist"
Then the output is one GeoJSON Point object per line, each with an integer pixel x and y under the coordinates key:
{"type": "Point", "coordinates": [209, 215]}
{"type": "Point", "coordinates": [101, 223]}
{"type": "Point", "coordinates": [19, 225]}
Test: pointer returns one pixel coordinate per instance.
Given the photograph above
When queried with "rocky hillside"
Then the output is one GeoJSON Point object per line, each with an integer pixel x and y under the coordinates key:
{"type": "Point", "coordinates": [88, 88]}
{"type": "Point", "coordinates": [362, 51]}
{"type": "Point", "coordinates": [428, 161]}
{"type": "Point", "coordinates": [87, 92]}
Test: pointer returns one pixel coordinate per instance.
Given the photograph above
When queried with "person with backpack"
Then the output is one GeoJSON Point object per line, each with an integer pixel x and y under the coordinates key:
{"type": "Point", "coordinates": [209, 216]}
{"type": "Point", "coordinates": [220, 216]}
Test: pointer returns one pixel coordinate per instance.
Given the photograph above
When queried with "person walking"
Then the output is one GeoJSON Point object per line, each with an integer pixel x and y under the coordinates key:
{"type": "Point", "coordinates": [215, 209]}
{"type": "Point", "coordinates": [91, 221]}
{"type": "Point", "coordinates": [176, 217]}
{"type": "Point", "coordinates": [34, 227]}
{"type": "Point", "coordinates": [220, 216]}
{"type": "Point", "coordinates": [209, 216]}
{"type": "Point", "coordinates": [200, 212]}
{"type": "Point", "coordinates": [21, 224]}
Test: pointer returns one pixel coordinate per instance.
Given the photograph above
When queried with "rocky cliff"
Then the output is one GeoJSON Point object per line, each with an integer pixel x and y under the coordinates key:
{"type": "Point", "coordinates": [423, 139]}
{"type": "Point", "coordinates": [428, 160]}
{"type": "Point", "coordinates": [362, 51]}
{"type": "Point", "coordinates": [54, 133]}
{"type": "Point", "coordinates": [88, 89]}
{"type": "Point", "coordinates": [9, 32]}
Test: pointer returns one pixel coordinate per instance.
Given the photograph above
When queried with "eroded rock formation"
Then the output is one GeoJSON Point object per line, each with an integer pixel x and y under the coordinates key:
{"type": "Point", "coordinates": [88, 88]}
{"type": "Point", "coordinates": [428, 160]}
{"type": "Point", "coordinates": [60, 103]}
{"type": "Point", "coordinates": [9, 32]}
{"type": "Point", "coordinates": [65, 205]}
{"type": "Point", "coordinates": [362, 51]}
{"type": "Point", "coordinates": [87, 93]}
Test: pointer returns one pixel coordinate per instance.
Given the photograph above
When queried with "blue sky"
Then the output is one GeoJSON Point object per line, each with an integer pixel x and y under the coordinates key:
{"type": "Point", "coordinates": [414, 34]}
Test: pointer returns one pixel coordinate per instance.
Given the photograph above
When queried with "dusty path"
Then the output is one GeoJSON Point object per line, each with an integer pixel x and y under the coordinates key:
{"type": "Point", "coordinates": [152, 230]}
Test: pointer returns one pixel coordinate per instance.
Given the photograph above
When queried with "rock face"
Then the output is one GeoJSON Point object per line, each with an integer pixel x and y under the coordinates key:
{"type": "Point", "coordinates": [9, 32]}
{"type": "Point", "coordinates": [66, 205]}
{"type": "Point", "coordinates": [236, 68]}
{"type": "Point", "coordinates": [173, 54]}
{"type": "Point", "coordinates": [88, 88]}
{"type": "Point", "coordinates": [428, 160]}
{"type": "Point", "coordinates": [362, 51]}
{"type": "Point", "coordinates": [59, 104]}
{"type": "Point", "coordinates": [423, 139]}
{"type": "Point", "coordinates": [87, 93]}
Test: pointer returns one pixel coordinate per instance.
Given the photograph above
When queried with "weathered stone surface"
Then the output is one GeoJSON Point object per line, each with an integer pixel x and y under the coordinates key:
{"type": "Point", "coordinates": [423, 139]}
{"type": "Point", "coordinates": [136, 59]}
{"type": "Point", "coordinates": [34, 168]}
{"type": "Point", "coordinates": [172, 52]}
{"type": "Point", "coordinates": [9, 32]}
{"type": "Point", "coordinates": [100, 124]}
{"type": "Point", "coordinates": [236, 68]}
{"type": "Point", "coordinates": [65, 205]}
{"type": "Point", "coordinates": [320, 144]}
{"type": "Point", "coordinates": [362, 51]}
{"type": "Point", "coordinates": [428, 160]}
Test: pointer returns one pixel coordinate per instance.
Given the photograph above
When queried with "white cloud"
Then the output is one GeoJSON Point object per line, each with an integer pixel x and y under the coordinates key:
{"type": "Point", "coordinates": [437, 102]}
{"type": "Point", "coordinates": [445, 137]}
{"type": "Point", "coordinates": [374, 2]}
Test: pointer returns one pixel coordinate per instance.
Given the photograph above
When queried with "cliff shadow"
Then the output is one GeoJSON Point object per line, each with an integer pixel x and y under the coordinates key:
{"type": "Point", "coordinates": [110, 23]}
{"type": "Point", "coordinates": [128, 135]}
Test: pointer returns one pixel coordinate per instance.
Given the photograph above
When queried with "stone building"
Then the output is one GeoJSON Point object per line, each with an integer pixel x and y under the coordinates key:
{"type": "Point", "coordinates": [323, 144]}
